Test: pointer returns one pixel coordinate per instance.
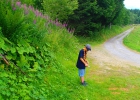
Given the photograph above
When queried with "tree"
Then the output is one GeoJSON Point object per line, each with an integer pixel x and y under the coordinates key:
{"type": "Point", "coordinates": [59, 9]}
{"type": "Point", "coordinates": [92, 15]}
{"type": "Point", "coordinates": [84, 19]}
{"type": "Point", "coordinates": [110, 10]}
{"type": "Point", "coordinates": [136, 15]}
{"type": "Point", "coordinates": [28, 2]}
{"type": "Point", "coordinates": [38, 4]}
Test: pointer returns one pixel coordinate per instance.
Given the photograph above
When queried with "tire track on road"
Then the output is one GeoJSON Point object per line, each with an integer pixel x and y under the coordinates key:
{"type": "Point", "coordinates": [114, 46]}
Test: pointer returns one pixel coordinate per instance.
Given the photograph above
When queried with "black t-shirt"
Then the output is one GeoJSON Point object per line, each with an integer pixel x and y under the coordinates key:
{"type": "Point", "coordinates": [80, 64]}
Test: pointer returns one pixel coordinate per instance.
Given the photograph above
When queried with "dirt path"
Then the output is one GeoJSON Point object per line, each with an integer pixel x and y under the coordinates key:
{"type": "Point", "coordinates": [114, 53]}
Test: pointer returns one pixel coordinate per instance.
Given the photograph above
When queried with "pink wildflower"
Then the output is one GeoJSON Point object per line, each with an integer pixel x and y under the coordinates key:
{"type": "Point", "coordinates": [14, 8]}
{"type": "Point", "coordinates": [18, 3]}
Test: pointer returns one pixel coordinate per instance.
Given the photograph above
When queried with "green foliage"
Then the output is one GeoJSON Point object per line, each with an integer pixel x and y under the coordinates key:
{"type": "Point", "coordinates": [22, 22]}
{"type": "Point", "coordinates": [28, 55]}
{"type": "Point", "coordinates": [124, 17]}
{"type": "Point", "coordinates": [10, 18]}
{"type": "Point", "coordinates": [28, 2]}
{"type": "Point", "coordinates": [107, 33]}
{"type": "Point", "coordinates": [135, 13]}
{"type": "Point", "coordinates": [103, 35]}
{"type": "Point", "coordinates": [83, 19]}
{"type": "Point", "coordinates": [38, 4]}
{"type": "Point", "coordinates": [60, 40]}
{"type": "Point", "coordinates": [109, 10]}
{"type": "Point", "coordinates": [23, 77]}
{"type": "Point", "coordinates": [59, 9]}
{"type": "Point", "coordinates": [92, 15]}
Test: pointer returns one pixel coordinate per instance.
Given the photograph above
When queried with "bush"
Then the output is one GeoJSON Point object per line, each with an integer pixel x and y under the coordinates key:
{"type": "Point", "coordinates": [28, 52]}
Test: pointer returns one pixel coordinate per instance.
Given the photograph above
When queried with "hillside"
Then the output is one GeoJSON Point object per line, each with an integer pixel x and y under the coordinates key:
{"type": "Point", "coordinates": [38, 57]}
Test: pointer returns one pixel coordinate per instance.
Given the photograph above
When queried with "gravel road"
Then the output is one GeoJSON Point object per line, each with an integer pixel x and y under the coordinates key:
{"type": "Point", "coordinates": [115, 46]}
{"type": "Point", "coordinates": [113, 52]}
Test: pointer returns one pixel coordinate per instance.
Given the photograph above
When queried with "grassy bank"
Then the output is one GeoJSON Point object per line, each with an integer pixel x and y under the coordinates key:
{"type": "Point", "coordinates": [103, 35]}
{"type": "Point", "coordinates": [133, 40]}
{"type": "Point", "coordinates": [117, 83]}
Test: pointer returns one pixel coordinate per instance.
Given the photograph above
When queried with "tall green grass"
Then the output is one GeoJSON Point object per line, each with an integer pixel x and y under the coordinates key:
{"type": "Point", "coordinates": [35, 48]}
{"type": "Point", "coordinates": [133, 39]}
{"type": "Point", "coordinates": [103, 35]}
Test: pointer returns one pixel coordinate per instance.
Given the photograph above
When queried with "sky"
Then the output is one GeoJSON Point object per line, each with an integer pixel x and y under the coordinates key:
{"type": "Point", "coordinates": [132, 4]}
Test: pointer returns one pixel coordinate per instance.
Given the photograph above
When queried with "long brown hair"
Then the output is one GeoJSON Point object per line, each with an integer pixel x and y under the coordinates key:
{"type": "Point", "coordinates": [85, 54]}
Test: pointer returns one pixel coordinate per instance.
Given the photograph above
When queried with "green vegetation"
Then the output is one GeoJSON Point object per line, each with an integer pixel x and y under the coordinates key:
{"type": "Point", "coordinates": [87, 17]}
{"type": "Point", "coordinates": [38, 57]}
{"type": "Point", "coordinates": [102, 35]}
{"type": "Point", "coordinates": [66, 8]}
{"type": "Point", "coordinates": [93, 15]}
{"type": "Point", "coordinates": [31, 43]}
{"type": "Point", "coordinates": [133, 40]}
{"type": "Point", "coordinates": [135, 16]}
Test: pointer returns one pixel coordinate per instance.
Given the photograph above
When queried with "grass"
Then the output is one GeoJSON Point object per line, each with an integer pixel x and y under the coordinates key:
{"type": "Point", "coordinates": [133, 40]}
{"type": "Point", "coordinates": [102, 35]}
{"type": "Point", "coordinates": [116, 83]}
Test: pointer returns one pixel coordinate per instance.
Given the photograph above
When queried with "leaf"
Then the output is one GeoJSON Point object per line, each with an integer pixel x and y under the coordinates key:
{"type": "Point", "coordinates": [48, 45]}
{"type": "Point", "coordinates": [4, 75]}
{"type": "Point", "coordinates": [32, 49]}
{"type": "Point", "coordinates": [4, 92]}
{"type": "Point", "coordinates": [36, 65]}
{"type": "Point", "coordinates": [19, 44]}
{"type": "Point", "coordinates": [20, 50]}
{"type": "Point", "coordinates": [2, 66]}
{"type": "Point", "coordinates": [46, 59]}
{"type": "Point", "coordinates": [9, 56]}
{"type": "Point", "coordinates": [45, 48]}
{"type": "Point", "coordinates": [30, 58]}
{"type": "Point", "coordinates": [13, 77]}
{"type": "Point", "coordinates": [25, 79]}
{"type": "Point", "coordinates": [41, 61]}
{"type": "Point", "coordinates": [5, 48]}
{"type": "Point", "coordinates": [23, 60]}
{"type": "Point", "coordinates": [27, 98]}
{"type": "Point", "coordinates": [12, 89]}
{"type": "Point", "coordinates": [38, 56]}
{"type": "Point", "coordinates": [1, 56]}
{"type": "Point", "coordinates": [8, 93]}
{"type": "Point", "coordinates": [27, 50]}
{"type": "Point", "coordinates": [14, 56]}
{"type": "Point", "coordinates": [13, 50]}
{"type": "Point", "coordinates": [20, 80]}
{"type": "Point", "coordinates": [1, 51]}
{"type": "Point", "coordinates": [23, 85]}
{"type": "Point", "coordinates": [1, 42]}
{"type": "Point", "coordinates": [6, 40]}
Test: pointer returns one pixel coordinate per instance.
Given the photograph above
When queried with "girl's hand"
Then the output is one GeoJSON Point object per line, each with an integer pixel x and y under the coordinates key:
{"type": "Point", "coordinates": [86, 64]}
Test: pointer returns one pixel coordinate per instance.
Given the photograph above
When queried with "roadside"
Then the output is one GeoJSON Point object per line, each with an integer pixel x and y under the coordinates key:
{"type": "Point", "coordinates": [107, 62]}
{"type": "Point", "coordinates": [103, 58]}
{"type": "Point", "coordinates": [114, 53]}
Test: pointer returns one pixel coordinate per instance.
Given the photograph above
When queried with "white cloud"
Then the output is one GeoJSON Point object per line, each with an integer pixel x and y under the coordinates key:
{"type": "Point", "coordinates": [132, 4]}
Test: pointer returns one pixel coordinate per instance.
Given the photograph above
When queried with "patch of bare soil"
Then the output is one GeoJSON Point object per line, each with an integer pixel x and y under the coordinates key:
{"type": "Point", "coordinates": [116, 90]}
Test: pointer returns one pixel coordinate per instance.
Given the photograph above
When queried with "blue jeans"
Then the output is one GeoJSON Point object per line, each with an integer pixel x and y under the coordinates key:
{"type": "Point", "coordinates": [81, 72]}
